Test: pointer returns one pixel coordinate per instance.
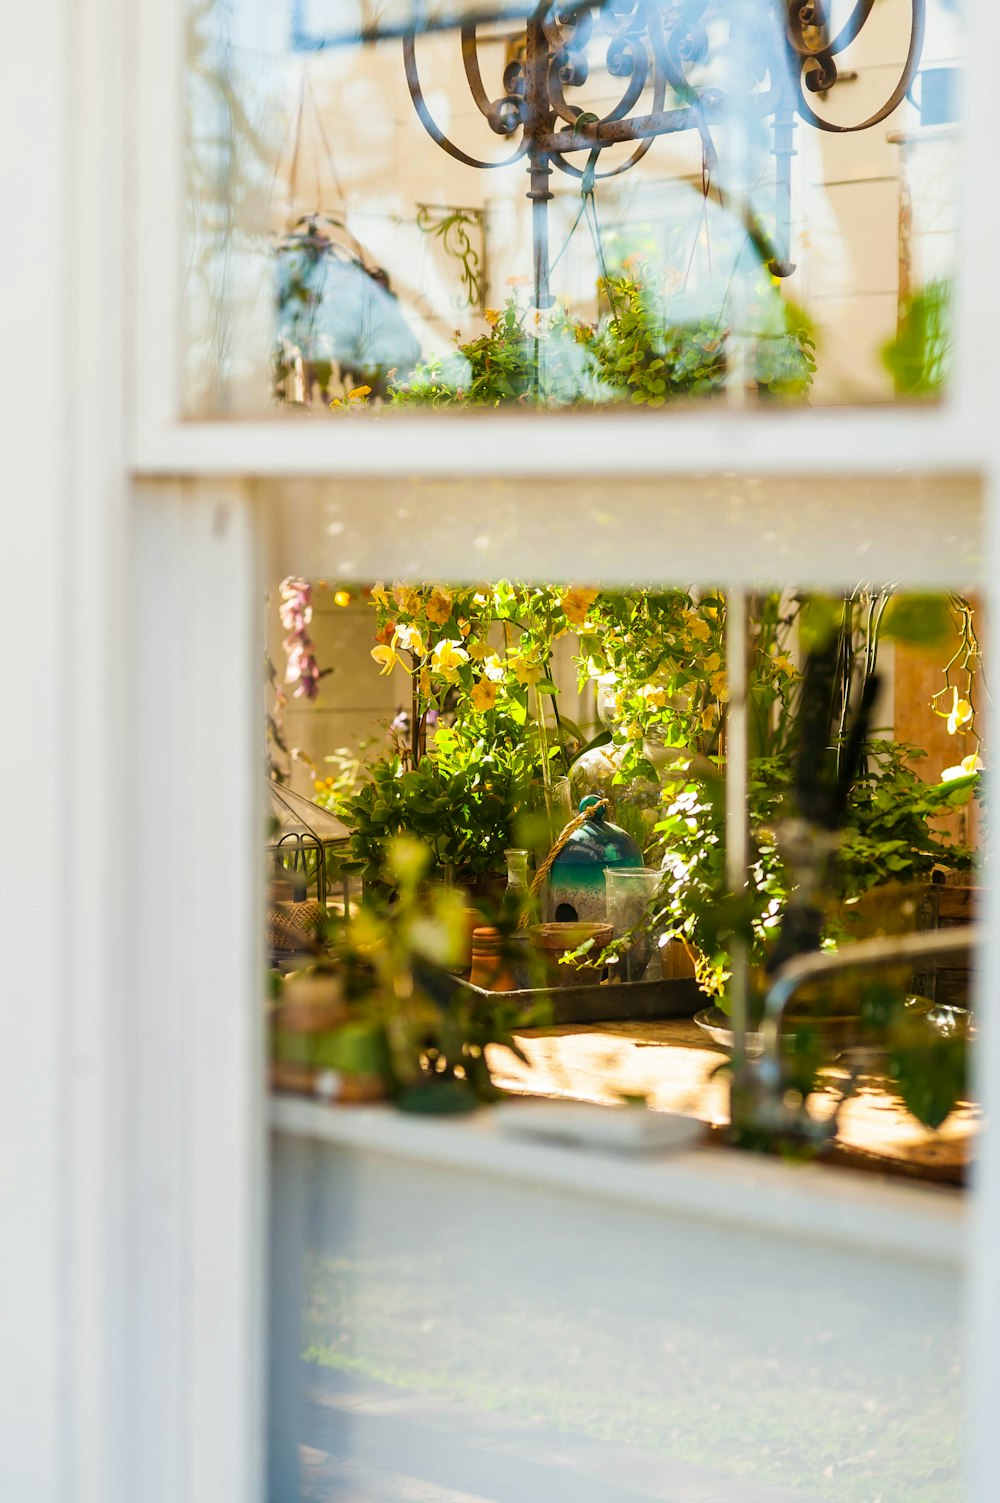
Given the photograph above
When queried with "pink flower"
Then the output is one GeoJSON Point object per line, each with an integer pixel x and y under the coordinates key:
{"type": "Point", "coordinates": [295, 612]}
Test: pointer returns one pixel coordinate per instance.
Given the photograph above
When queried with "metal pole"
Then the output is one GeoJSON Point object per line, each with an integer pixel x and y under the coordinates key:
{"type": "Point", "coordinates": [737, 830]}
{"type": "Point", "coordinates": [783, 150]}
{"type": "Point", "coordinates": [536, 101]}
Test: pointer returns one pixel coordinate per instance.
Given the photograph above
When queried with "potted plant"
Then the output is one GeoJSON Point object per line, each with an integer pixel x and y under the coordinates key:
{"type": "Point", "coordinates": [399, 1026]}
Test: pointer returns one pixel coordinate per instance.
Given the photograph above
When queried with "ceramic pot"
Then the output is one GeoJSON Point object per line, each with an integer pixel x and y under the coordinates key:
{"type": "Point", "coordinates": [554, 940]}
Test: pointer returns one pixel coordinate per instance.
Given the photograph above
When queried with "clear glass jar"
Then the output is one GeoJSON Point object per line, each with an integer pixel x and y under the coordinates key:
{"type": "Point", "coordinates": [630, 893]}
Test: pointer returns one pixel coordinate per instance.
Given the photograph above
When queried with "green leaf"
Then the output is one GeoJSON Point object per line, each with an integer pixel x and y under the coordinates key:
{"type": "Point", "coordinates": [921, 620]}
{"type": "Point", "coordinates": [931, 1078]}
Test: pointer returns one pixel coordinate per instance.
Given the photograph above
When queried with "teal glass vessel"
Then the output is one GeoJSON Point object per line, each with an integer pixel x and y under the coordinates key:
{"type": "Point", "coordinates": [576, 881]}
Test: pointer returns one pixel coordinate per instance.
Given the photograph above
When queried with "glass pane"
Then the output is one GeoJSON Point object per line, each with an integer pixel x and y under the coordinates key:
{"type": "Point", "coordinates": [442, 1332]}
{"type": "Point", "coordinates": [416, 204]}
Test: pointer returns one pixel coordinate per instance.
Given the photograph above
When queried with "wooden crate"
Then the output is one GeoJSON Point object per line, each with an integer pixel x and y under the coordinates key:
{"type": "Point", "coordinates": [905, 908]}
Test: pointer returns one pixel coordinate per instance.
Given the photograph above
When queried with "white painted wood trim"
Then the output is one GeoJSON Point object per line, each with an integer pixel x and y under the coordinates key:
{"type": "Point", "coordinates": [818, 530]}
{"type": "Point", "coordinates": [34, 1063]}
{"type": "Point", "coordinates": [700, 440]}
{"type": "Point", "coordinates": [197, 1177]}
{"type": "Point", "coordinates": [718, 1187]}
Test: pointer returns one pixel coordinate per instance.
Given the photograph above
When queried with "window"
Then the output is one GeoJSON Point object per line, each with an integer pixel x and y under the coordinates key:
{"type": "Point", "coordinates": [719, 493]}
{"type": "Point", "coordinates": [756, 201]}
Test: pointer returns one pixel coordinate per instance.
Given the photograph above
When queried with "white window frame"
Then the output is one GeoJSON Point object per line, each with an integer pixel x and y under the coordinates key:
{"type": "Point", "coordinates": [132, 1097]}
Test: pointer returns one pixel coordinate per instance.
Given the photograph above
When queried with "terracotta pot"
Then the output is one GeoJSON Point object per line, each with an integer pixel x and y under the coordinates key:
{"type": "Point", "coordinates": [554, 940]}
{"type": "Point", "coordinates": [499, 962]}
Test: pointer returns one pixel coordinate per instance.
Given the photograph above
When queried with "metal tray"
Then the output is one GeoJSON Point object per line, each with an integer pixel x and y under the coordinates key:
{"type": "Point", "coordinates": [621, 1002]}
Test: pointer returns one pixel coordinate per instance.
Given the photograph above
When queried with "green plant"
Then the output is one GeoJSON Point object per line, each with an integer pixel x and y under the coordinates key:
{"type": "Point", "coordinates": [525, 357]}
{"type": "Point", "coordinates": [645, 355]}
{"type": "Point", "coordinates": [350, 766]}
{"type": "Point", "coordinates": [889, 836]}
{"type": "Point", "coordinates": [463, 808]}
{"type": "Point", "coordinates": [919, 357]}
{"type": "Point", "coordinates": [482, 657]}
{"type": "Point", "coordinates": [638, 352]}
{"type": "Point", "coordinates": [413, 1025]}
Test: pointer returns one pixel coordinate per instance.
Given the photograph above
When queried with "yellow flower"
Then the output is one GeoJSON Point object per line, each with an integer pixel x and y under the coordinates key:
{"type": "Point", "coordinates": [387, 657]}
{"type": "Point", "coordinates": [358, 393]}
{"type": "Point", "coordinates": [968, 765]}
{"type": "Point", "coordinates": [426, 687]}
{"type": "Point", "coordinates": [719, 687]}
{"type": "Point", "coordinates": [407, 599]}
{"type": "Point", "coordinates": [576, 603]}
{"type": "Point", "coordinates": [342, 597]}
{"type": "Point", "coordinates": [712, 663]}
{"type": "Point", "coordinates": [655, 697]}
{"type": "Point", "coordinates": [438, 607]}
{"type": "Point", "coordinates": [526, 671]}
{"type": "Point", "coordinates": [410, 638]}
{"type": "Point", "coordinates": [478, 650]}
{"type": "Point", "coordinates": [697, 628]}
{"type": "Point", "coordinates": [493, 316]}
{"type": "Point", "coordinates": [484, 695]}
{"type": "Point", "coordinates": [447, 657]}
{"type": "Point", "coordinates": [961, 713]}
{"type": "Point", "coordinates": [708, 715]}
{"type": "Point", "coordinates": [379, 596]}
{"type": "Point", "coordinates": [494, 668]}
{"type": "Point", "coordinates": [784, 664]}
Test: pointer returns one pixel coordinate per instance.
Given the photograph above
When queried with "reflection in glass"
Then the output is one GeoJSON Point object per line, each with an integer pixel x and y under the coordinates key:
{"type": "Point", "coordinates": [594, 203]}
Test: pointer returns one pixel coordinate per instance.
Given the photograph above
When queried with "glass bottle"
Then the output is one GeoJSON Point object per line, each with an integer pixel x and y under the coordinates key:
{"type": "Point", "coordinates": [516, 894]}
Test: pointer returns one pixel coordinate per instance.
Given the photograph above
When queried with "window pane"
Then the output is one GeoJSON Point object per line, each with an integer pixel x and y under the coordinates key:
{"type": "Point", "coordinates": [442, 1331]}
{"type": "Point", "coordinates": [638, 202]}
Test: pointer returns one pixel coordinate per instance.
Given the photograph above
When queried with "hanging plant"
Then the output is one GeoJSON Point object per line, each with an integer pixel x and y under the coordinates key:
{"type": "Point", "coordinates": [637, 352]}
{"type": "Point", "coordinates": [295, 611]}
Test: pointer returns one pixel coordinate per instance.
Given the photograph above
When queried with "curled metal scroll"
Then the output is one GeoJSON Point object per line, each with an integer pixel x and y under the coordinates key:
{"type": "Point", "coordinates": [815, 67]}
{"type": "Point", "coordinates": [431, 126]}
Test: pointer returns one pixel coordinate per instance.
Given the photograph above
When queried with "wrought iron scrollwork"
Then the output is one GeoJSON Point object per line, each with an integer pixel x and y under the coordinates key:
{"type": "Point", "coordinates": [814, 53]}
{"type": "Point", "coordinates": [655, 48]}
{"type": "Point", "coordinates": [451, 226]}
